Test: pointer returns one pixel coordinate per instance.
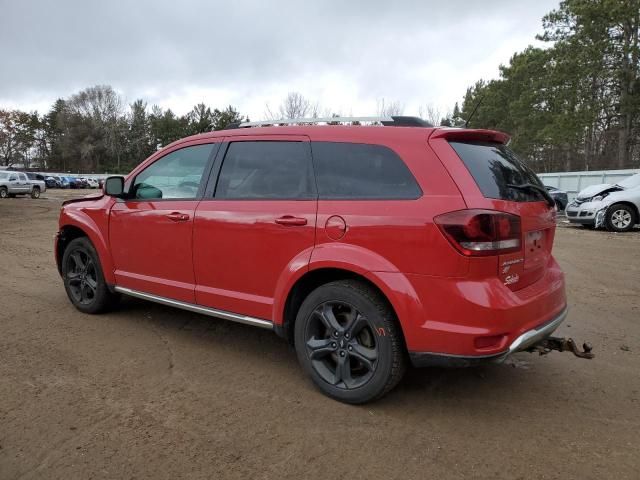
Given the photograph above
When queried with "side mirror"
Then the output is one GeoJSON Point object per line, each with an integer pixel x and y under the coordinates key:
{"type": "Point", "coordinates": [114, 186]}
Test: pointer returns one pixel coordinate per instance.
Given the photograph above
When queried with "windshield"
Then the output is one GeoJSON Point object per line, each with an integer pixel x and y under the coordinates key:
{"type": "Point", "coordinates": [630, 182]}
{"type": "Point", "coordinates": [4, 175]}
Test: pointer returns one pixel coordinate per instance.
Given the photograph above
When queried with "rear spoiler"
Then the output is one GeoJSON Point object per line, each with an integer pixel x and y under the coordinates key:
{"type": "Point", "coordinates": [478, 135]}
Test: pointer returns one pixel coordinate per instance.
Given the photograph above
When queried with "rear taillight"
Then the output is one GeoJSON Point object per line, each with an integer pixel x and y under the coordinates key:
{"type": "Point", "coordinates": [481, 232]}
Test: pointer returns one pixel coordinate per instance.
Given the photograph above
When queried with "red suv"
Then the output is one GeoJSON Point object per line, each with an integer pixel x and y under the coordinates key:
{"type": "Point", "coordinates": [365, 246]}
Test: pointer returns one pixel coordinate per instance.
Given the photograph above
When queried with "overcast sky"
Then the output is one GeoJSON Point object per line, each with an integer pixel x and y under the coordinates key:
{"type": "Point", "coordinates": [346, 55]}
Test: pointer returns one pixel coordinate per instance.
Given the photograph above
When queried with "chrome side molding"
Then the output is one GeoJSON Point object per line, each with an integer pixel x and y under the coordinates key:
{"type": "Point", "coordinates": [212, 312]}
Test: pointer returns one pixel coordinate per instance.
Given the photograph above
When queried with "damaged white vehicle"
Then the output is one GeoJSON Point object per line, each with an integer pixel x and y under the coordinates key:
{"type": "Point", "coordinates": [613, 206]}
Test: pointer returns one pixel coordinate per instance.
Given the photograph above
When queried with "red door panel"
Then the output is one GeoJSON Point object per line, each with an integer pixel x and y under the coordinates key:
{"type": "Point", "coordinates": [242, 247]}
{"type": "Point", "coordinates": [151, 246]}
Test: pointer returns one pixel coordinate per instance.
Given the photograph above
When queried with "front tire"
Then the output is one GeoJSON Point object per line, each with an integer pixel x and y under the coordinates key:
{"type": "Point", "coordinates": [4, 193]}
{"type": "Point", "coordinates": [620, 218]}
{"type": "Point", "coordinates": [349, 343]}
{"type": "Point", "coordinates": [83, 278]}
{"type": "Point", "coordinates": [35, 193]}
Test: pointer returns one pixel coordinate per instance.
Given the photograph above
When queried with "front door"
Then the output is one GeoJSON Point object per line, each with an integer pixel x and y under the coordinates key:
{"type": "Point", "coordinates": [260, 221]}
{"type": "Point", "coordinates": [151, 230]}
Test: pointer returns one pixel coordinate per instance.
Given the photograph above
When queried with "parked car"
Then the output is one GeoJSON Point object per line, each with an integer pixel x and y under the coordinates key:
{"type": "Point", "coordinates": [613, 206]}
{"type": "Point", "coordinates": [52, 182]}
{"type": "Point", "coordinates": [74, 182]}
{"type": "Point", "coordinates": [61, 181]}
{"type": "Point", "coordinates": [92, 183]}
{"type": "Point", "coordinates": [17, 183]}
{"type": "Point", "coordinates": [38, 181]}
{"type": "Point", "coordinates": [559, 196]}
{"type": "Point", "coordinates": [64, 181]}
{"type": "Point", "coordinates": [364, 246]}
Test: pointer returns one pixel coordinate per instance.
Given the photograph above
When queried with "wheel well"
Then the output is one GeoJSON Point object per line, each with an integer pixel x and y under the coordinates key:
{"type": "Point", "coordinates": [308, 283]}
{"type": "Point", "coordinates": [66, 235]}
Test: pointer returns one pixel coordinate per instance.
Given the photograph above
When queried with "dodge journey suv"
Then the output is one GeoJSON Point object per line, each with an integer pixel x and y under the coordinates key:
{"type": "Point", "coordinates": [365, 246]}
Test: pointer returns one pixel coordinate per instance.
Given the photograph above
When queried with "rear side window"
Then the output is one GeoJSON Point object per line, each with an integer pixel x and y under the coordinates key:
{"type": "Point", "coordinates": [361, 171]}
{"type": "Point", "coordinates": [266, 170]}
{"type": "Point", "coordinates": [494, 167]}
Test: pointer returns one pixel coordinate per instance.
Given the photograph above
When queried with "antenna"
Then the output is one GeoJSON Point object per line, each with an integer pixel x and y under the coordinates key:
{"type": "Point", "coordinates": [466, 124]}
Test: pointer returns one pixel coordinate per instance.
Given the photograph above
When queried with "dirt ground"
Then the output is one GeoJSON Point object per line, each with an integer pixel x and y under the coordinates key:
{"type": "Point", "coordinates": [152, 392]}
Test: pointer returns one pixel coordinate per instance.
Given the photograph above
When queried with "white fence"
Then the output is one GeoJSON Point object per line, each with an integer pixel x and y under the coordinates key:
{"type": "Point", "coordinates": [573, 182]}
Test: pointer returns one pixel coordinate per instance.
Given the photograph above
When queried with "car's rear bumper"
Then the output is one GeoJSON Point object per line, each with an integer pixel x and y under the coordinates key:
{"type": "Point", "coordinates": [478, 318]}
{"type": "Point", "coordinates": [523, 342]}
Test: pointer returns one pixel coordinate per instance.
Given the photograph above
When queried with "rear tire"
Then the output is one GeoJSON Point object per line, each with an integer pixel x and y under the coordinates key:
{"type": "Point", "coordinates": [620, 218]}
{"type": "Point", "coordinates": [83, 278]}
{"type": "Point", "coordinates": [348, 341]}
{"type": "Point", "coordinates": [35, 193]}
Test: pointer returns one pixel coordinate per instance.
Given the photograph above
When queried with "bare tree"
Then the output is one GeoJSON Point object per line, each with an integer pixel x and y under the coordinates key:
{"type": "Point", "coordinates": [102, 108]}
{"type": "Point", "coordinates": [432, 114]}
{"type": "Point", "coordinates": [388, 109]}
{"type": "Point", "coordinates": [294, 105]}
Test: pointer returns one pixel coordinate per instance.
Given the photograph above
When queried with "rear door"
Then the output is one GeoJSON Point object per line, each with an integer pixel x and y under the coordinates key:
{"type": "Point", "coordinates": [487, 173]}
{"type": "Point", "coordinates": [24, 185]}
{"type": "Point", "coordinates": [256, 221]}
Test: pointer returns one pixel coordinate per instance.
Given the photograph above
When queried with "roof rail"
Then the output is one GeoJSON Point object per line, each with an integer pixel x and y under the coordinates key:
{"type": "Point", "coordinates": [391, 121]}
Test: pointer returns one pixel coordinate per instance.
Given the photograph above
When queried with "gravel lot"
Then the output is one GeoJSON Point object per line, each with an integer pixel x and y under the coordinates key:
{"type": "Point", "coordinates": [153, 392]}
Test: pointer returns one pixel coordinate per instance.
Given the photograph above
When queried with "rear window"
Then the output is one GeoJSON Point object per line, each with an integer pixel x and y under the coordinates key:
{"type": "Point", "coordinates": [361, 171]}
{"type": "Point", "coordinates": [494, 167]}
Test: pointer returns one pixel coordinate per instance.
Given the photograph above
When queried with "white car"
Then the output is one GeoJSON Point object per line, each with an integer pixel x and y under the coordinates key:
{"type": "Point", "coordinates": [614, 206]}
{"type": "Point", "coordinates": [93, 183]}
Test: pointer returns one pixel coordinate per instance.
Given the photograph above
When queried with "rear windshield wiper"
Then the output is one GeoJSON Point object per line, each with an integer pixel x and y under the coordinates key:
{"type": "Point", "coordinates": [536, 188]}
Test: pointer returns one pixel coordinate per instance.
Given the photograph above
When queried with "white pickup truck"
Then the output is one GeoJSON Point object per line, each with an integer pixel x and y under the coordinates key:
{"type": "Point", "coordinates": [17, 183]}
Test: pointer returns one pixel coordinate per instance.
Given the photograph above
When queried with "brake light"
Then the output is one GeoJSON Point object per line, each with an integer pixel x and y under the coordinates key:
{"type": "Point", "coordinates": [478, 232]}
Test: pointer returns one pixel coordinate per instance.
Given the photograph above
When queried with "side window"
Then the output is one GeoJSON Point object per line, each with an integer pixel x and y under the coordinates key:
{"type": "Point", "coordinates": [266, 170]}
{"type": "Point", "coordinates": [361, 171]}
{"type": "Point", "coordinates": [176, 175]}
{"type": "Point", "coordinates": [23, 177]}
{"type": "Point", "coordinates": [13, 178]}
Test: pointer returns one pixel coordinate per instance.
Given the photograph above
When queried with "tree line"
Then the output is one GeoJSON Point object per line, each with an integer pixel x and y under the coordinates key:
{"type": "Point", "coordinates": [93, 131]}
{"type": "Point", "coordinates": [572, 105]}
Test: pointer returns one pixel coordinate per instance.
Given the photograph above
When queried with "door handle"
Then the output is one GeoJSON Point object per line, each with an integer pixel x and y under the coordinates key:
{"type": "Point", "coordinates": [178, 217]}
{"type": "Point", "coordinates": [291, 221]}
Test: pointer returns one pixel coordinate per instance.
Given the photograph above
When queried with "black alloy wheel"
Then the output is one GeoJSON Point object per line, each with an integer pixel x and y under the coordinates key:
{"type": "Point", "coordinates": [83, 278]}
{"type": "Point", "coordinates": [349, 342]}
{"type": "Point", "coordinates": [341, 345]}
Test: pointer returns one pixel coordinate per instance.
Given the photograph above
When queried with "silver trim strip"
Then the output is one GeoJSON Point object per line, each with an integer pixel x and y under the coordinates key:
{"type": "Point", "coordinates": [290, 121]}
{"type": "Point", "coordinates": [534, 335]}
{"type": "Point", "coordinates": [212, 312]}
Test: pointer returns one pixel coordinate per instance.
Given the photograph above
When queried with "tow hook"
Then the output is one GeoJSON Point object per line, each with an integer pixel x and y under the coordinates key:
{"type": "Point", "coordinates": [562, 345]}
